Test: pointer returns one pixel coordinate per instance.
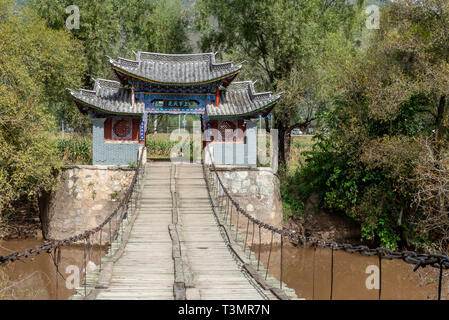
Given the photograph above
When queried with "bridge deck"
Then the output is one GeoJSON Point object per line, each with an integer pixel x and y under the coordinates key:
{"type": "Point", "coordinates": [146, 269]}
{"type": "Point", "coordinates": [216, 274]}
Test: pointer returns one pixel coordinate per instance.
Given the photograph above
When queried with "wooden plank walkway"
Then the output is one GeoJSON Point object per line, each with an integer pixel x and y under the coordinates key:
{"type": "Point", "coordinates": [174, 248]}
{"type": "Point", "coordinates": [216, 274]}
{"type": "Point", "coordinates": [145, 270]}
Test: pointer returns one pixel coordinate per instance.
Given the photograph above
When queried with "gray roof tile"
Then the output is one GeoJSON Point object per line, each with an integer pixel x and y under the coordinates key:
{"type": "Point", "coordinates": [176, 68]}
{"type": "Point", "coordinates": [238, 99]}
{"type": "Point", "coordinates": [109, 96]}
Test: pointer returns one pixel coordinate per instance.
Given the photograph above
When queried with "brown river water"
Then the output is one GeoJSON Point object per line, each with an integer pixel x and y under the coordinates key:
{"type": "Point", "coordinates": [351, 272]}
{"type": "Point", "coordinates": [36, 279]}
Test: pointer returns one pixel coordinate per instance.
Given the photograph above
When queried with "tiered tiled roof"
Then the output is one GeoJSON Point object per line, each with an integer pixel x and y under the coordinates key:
{"type": "Point", "coordinates": [236, 100]}
{"type": "Point", "coordinates": [240, 98]}
{"type": "Point", "coordinates": [110, 97]}
{"type": "Point", "coordinates": [180, 69]}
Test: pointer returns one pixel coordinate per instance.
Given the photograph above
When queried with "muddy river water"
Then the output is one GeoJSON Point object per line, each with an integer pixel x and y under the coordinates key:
{"type": "Point", "coordinates": [353, 276]}
{"type": "Point", "coordinates": [36, 278]}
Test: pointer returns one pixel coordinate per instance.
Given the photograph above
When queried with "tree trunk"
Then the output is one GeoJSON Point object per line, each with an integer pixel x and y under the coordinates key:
{"type": "Point", "coordinates": [284, 144]}
{"type": "Point", "coordinates": [267, 125]}
{"type": "Point", "coordinates": [287, 144]}
{"type": "Point", "coordinates": [439, 126]}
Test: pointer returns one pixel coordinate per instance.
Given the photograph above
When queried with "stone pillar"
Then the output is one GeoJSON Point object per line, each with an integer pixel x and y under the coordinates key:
{"type": "Point", "coordinates": [98, 155]}
{"type": "Point", "coordinates": [274, 150]}
{"type": "Point", "coordinates": [251, 143]}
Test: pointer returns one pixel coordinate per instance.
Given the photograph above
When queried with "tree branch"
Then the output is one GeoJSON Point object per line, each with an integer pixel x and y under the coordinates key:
{"type": "Point", "coordinates": [300, 125]}
{"type": "Point", "coordinates": [263, 50]}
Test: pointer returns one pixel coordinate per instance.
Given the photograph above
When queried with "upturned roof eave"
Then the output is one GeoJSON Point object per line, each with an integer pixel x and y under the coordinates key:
{"type": "Point", "coordinates": [78, 97]}
{"type": "Point", "coordinates": [97, 108]}
{"type": "Point", "coordinates": [243, 115]}
{"type": "Point", "coordinates": [129, 73]}
{"type": "Point", "coordinates": [211, 117]}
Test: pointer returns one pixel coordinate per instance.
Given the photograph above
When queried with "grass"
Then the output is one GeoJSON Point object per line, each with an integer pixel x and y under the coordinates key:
{"type": "Point", "coordinates": [73, 148]}
{"type": "Point", "coordinates": [159, 146]}
{"type": "Point", "coordinates": [299, 145]}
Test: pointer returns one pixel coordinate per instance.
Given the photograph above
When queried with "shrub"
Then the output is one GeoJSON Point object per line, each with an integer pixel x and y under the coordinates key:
{"type": "Point", "coordinates": [75, 150]}
{"type": "Point", "coordinates": [159, 146]}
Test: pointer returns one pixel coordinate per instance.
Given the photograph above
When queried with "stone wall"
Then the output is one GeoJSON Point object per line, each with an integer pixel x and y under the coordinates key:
{"type": "Point", "coordinates": [83, 198]}
{"type": "Point", "coordinates": [257, 191]}
{"type": "Point", "coordinates": [86, 194]}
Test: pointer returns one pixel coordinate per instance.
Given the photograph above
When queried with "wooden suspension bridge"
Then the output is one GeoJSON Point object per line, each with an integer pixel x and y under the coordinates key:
{"type": "Point", "coordinates": [176, 246]}
{"type": "Point", "coordinates": [173, 236]}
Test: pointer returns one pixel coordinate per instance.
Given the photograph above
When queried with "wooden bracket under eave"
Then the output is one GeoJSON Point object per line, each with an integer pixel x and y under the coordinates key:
{"type": "Point", "coordinates": [133, 96]}
{"type": "Point", "coordinates": [217, 97]}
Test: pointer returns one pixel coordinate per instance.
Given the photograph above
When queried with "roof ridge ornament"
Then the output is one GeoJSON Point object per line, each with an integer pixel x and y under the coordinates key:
{"type": "Point", "coordinates": [106, 84]}
{"type": "Point", "coordinates": [172, 56]}
{"type": "Point", "coordinates": [175, 73]}
{"type": "Point", "coordinates": [175, 69]}
{"type": "Point", "coordinates": [240, 100]}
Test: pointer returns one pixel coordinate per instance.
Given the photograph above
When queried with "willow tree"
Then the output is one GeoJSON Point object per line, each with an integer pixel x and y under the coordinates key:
{"type": "Point", "coordinates": [36, 64]}
{"type": "Point", "coordinates": [286, 44]}
{"type": "Point", "coordinates": [384, 155]}
{"type": "Point", "coordinates": [116, 28]}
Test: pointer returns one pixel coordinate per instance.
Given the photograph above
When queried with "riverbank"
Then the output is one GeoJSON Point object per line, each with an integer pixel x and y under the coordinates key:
{"type": "Point", "coordinates": [25, 224]}
{"type": "Point", "coordinates": [321, 224]}
{"type": "Point", "coordinates": [311, 220]}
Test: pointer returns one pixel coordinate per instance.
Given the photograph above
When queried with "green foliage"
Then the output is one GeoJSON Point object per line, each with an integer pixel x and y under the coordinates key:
{"type": "Point", "coordinates": [58, 63]}
{"type": "Point", "coordinates": [165, 28]}
{"type": "Point", "coordinates": [107, 28]}
{"type": "Point", "coordinates": [160, 148]}
{"type": "Point", "coordinates": [36, 64]}
{"type": "Point", "coordinates": [116, 27]}
{"type": "Point", "coordinates": [75, 150]}
{"type": "Point", "coordinates": [369, 160]}
{"type": "Point", "coordinates": [363, 194]}
{"type": "Point", "coordinates": [291, 46]}
{"type": "Point", "coordinates": [291, 205]}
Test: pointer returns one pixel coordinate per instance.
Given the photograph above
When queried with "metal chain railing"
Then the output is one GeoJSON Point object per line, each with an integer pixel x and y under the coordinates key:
{"type": "Point", "coordinates": [226, 203]}
{"type": "Point", "coordinates": [113, 220]}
